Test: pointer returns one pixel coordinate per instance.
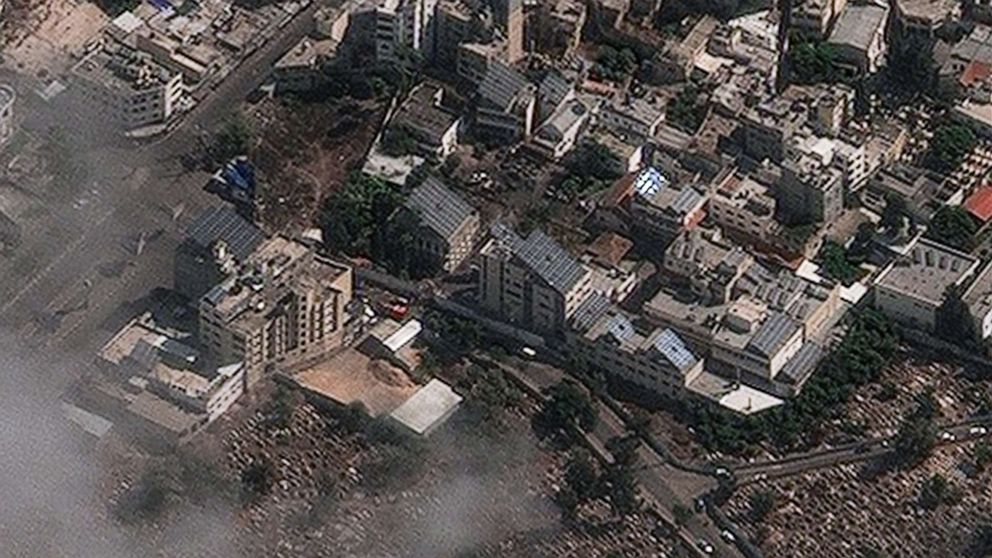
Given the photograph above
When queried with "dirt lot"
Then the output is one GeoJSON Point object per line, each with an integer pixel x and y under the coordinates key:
{"type": "Point", "coordinates": [41, 35]}
{"type": "Point", "coordinates": [306, 152]}
{"type": "Point", "coordinates": [849, 511]}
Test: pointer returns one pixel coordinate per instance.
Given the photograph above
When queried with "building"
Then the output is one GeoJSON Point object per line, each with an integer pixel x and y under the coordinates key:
{"type": "Point", "coordinates": [912, 288]}
{"type": "Point", "coordinates": [926, 17]}
{"type": "Point", "coordinates": [458, 23]}
{"type": "Point", "coordinates": [447, 225]}
{"type": "Point", "coordinates": [286, 303]}
{"type": "Point", "coordinates": [404, 29]}
{"type": "Point", "coordinates": [662, 207]}
{"type": "Point", "coordinates": [613, 273]}
{"type": "Point", "coordinates": [968, 69]}
{"type": "Point", "coordinates": [128, 88]}
{"type": "Point", "coordinates": [532, 282]}
{"type": "Point", "coordinates": [677, 59]}
{"type": "Point", "coordinates": [769, 128]}
{"type": "Point", "coordinates": [476, 58]}
{"type": "Point", "coordinates": [560, 132]}
{"type": "Point", "coordinates": [157, 387]}
{"type": "Point", "coordinates": [633, 117]}
{"type": "Point", "coordinates": [859, 38]}
{"type": "Point", "coordinates": [422, 116]}
{"type": "Point", "coordinates": [304, 66]}
{"type": "Point", "coordinates": [809, 191]}
{"type": "Point", "coordinates": [216, 243]}
{"type": "Point", "coordinates": [706, 265]}
{"type": "Point", "coordinates": [506, 104]}
{"type": "Point", "coordinates": [510, 19]}
{"type": "Point", "coordinates": [978, 299]}
{"type": "Point", "coordinates": [918, 187]}
{"type": "Point", "coordinates": [815, 18]}
{"type": "Point", "coordinates": [558, 27]}
{"type": "Point", "coordinates": [427, 409]}
{"type": "Point", "coordinates": [653, 358]}
{"type": "Point", "coordinates": [7, 97]}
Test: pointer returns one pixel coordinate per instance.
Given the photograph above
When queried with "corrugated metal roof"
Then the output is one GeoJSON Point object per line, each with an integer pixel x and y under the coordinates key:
{"type": "Point", "coordinates": [772, 334]}
{"type": "Point", "coordinates": [501, 85]}
{"type": "Point", "coordinates": [803, 364]}
{"type": "Point", "coordinates": [543, 256]}
{"type": "Point", "coordinates": [439, 209]}
{"type": "Point", "coordinates": [224, 223]}
{"type": "Point", "coordinates": [620, 328]}
{"type": "Point", "coordinates": [671, 346]}
{"type": "Point", "coordinates": [858, 25]}
{"type": "Point", "coordinates": [590, 311]}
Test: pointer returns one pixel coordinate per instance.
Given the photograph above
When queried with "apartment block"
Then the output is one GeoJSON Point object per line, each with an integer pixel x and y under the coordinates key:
{"type": "Point", "coordinates": [532, 282]}
{"type": "Point", "coordinates": [285, 303]}
{"type": "Point", "coordinates": [447, 225]}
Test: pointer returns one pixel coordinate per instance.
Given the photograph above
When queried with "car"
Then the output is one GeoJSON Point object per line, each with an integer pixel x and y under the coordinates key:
{"type": "Point", "coordinates": [947, 436]}
{"type": "Point", "coordinates": [722, 472]}
{"type": "Point", "coordinates": [978, 431]}
{"type": "Point", "coordinates": [528, 352]}
{"type": "Point", "coordinates": [705, 546]}
{"type": "Point", "coordinates": [728, 536]}
{"type": "Point", "coordinates": [761, 476]}
{"type": "Point", "coordinates": [700, 505]}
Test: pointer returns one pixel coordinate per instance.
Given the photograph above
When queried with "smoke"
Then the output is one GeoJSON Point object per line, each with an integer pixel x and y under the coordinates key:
{"type": "Point", "coordinates": [51, 500]}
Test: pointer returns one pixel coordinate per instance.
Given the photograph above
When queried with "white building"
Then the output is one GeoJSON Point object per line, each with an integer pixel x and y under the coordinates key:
{"type": "Point", "coordinates": [912, 288]}
{"type": "Point", "coordinates": [404, 25]}
{"type": "Point", "coordinates": [128, 87]}
{"type": "Point", "coordinates": [558, 135]}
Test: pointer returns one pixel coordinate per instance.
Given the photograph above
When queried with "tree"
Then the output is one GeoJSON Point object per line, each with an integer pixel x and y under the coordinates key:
{"type": "Point", "coordinates": [982, 455]}
{"type": "Point", "coordinates": [812, 62]}
{"type": "Point", "coordinates": [352, 220]}
{"type": "Point", "coordinates": [397, 141]}
{"type": "Point", "coordinates": [581, 475]}
{"type": "Point", "coordinates": [591, 168]}
{"type": "Point", "coordinates": [953, 318]}
{"type": "Point", "coordinates": [894, 214]}
{"type": "Point", "coordinates": [613, 64]}
{"type": "Point", "coordinates": [569, 404]}
{"type": "Point", "coordinates": [915, 441]}
{"type": "Point", "coordinates": [146, 499]}
{"type": "Point", "coordinates": [233, 139]}
{"type": "Point", "coordinates": [682, 513]}
{"type": "Point", "coordinates": [981, 541]}
{"type": "Point", "coordinates": [279, 411]}
{"type": "Point", "coordinates": [937, 491]}
{"type": "Point", "coordinates": [910, 67]}
{"type": "Point", "coordinates": [617, 484]}
{"type": "Point", "coordinates": [685, 111]}
{"type": "Point", "coordinates": [761, 503]}
{"type": "Point", "coordinates": [950, 144]}
{"type": "Point", "coordinates": [836, 265]}
{"type": "Point", "coordinates": [257, 478]}
{"type": "Point", "coordinates": [953, 226]}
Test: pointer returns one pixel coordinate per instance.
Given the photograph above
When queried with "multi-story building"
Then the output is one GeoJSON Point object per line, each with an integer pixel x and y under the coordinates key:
{"type": "Point", "coordinates": [633, 117]}
{"type": "Point", "coordinates": [510, 19]}
{"type": "Point", "coordinates": [475, 59]}
{"type": "Point", "coordinates": [706, 265]}
{"type": "Point", "coordinates": [531, 282]}
{"type": "Point", "coordinates": [128, 87]}
{"type": "Point", "coordinates": [7, 97]}
{"type": "Point", "coordinates": [653, 358]}
{"type": "Point", "coordinates": [447, 225]}
{"type": "Point", "coordinates": [216, 243]}
{"type": "Point", "coordinates": [559, 133]}
{"type": "Point", "coordinates": [457, 23]}
{"type": "Point", "coordinates": [304, 66]}
{"type": "Point", "coordinates": [433, 128]}
{"type": "Point", "coordinates": [810, 191]}
{"type": "Point", "coordinates": [558, 27]}
{"type": "Point", "coordinates": [814, 18]}
{"type": "Point", "coordinates": [286, 303]}
{"type": "Point", "coordinates": [969, 67]}
{"type": "Point", "coordinates": [912, 288]}
{"type": "Point", "coordinates": [403, 29]}
{"type": "Point", "coordinates": [663, 208]}
{"type": "Point", "coordinates": [859, 38]}
{"type": "Point", "coordinates": [506, 105]}
{"type": "Point", "coordinates": [926, 17]}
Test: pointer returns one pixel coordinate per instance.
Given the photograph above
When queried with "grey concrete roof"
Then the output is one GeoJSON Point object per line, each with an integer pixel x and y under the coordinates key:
{"type": "Point", "coordinates": [440, 209]}
{"type": "Point", "coordinates": [501, 85]}
{"type": "Point", "coordinates": [857, 25]}
{"type": "Point", "coordinates": [927, 271]}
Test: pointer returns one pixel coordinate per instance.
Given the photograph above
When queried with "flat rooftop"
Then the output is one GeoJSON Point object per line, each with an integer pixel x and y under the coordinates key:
{"type": "Point", "coordinates": [352, 377]}
{"type": "Point", "coordinates": [927, 270]}
{"type": "Point", "coordinates": [428, 408]}
{"type": "Point", "coordinates": [733, 395]}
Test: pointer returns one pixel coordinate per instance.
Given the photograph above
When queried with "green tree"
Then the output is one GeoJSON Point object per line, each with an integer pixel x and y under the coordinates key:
{"type": "Point", "coordinates": [682, 513]}
{"type": "Point", "coordinates": [953, 226]}
{"type": "Point", "coordinates": [937, 491]}
{"type": "Point", "coordinates": [591, 167]}
{"type": "Point", "coordinates": [233, 139]}
{"type": "Point", "coordinates": [981, 541]}
{"type": "Point", "coordinates": [915, 441]}
{"type": "Point", "coordinates": [812, 62]}
{"type": "Point", "coordinates": [257, 478]}
{"type": "Point", "coordinates": [581, 475]}
{"type": "Point", "coordinates": [950, 144]}
{"type": "Point", "coordinates": [894, 214]}
{"type": "Point", "coordinates": [685, 111]}
{"type": "Point", "coordinates": [836, 265]}
{"type": "Point", "coordinates": [568, 404]}
{"type": "Point", "coordinates": [352, 220]}
{"type": "Point", "coordinates": [982, 455]}
{"type": "Point", "coordinates": [762, 503]}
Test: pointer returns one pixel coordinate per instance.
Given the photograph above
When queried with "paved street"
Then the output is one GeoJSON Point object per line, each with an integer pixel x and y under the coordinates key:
{"type": "Point", "coordinates": [78, 273]}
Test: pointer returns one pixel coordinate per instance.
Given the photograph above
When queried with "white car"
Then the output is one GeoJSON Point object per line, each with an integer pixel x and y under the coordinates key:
{"type": "Point", "coordinates": [978, 431]}
{"type": "Point", "coordinates": [722, 472]}
{"type": "Point", "coordinates": [728, 536]}
{"type": "Point", "coordinates": [528, 352]}
{"type": "Point", "coordinates": [947, 436]}
{"type": "Point", "coordinates": [705, 546]}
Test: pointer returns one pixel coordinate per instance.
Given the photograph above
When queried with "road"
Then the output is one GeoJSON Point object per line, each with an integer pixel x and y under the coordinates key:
{"type": "Point", "coordinates": [79, 273]}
